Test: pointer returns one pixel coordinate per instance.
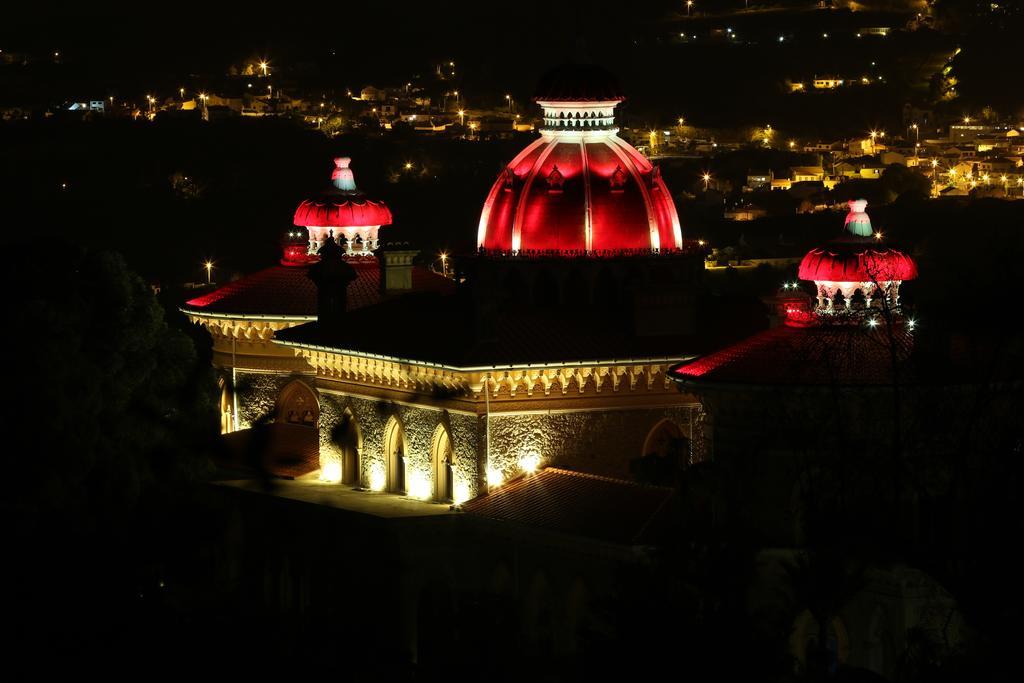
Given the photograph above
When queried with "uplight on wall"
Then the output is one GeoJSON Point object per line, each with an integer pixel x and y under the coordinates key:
{"type": "Point", "coordinates": [419, 485]}
{"type": "Point", "coordinates": [378, 478]}
{"type": "Point", "coordinates": [494, 476]}
{"type": "Point", "coordinates": [530, 462]}
{"type": "Point", "coordinates": [461, 493]}
{"type": "Point", "coordinates": [331, 472]}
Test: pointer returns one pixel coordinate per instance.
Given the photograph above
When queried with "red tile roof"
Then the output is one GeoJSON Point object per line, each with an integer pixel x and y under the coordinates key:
{"type": "Point", "coordinates": [576, 503]}
{"type": "Point", "coordinates": [837, 354]}
{"type": "Point", "coordinates": [462, 337]}
{"type": "Point", "coordinates": [281, 449]}
{"type": "Point", "coordinates": [288, 291]}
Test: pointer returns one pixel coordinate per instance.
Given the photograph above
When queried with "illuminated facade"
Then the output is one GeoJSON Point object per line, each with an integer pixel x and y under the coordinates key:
{"type": "Point", "coordinates": [444, 391]}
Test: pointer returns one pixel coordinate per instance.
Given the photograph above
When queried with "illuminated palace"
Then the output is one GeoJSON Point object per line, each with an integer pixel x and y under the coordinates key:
{"type": "Point", "coordinates": [574, 343]}
{"type": "Point", "coordinates": [552, 350]}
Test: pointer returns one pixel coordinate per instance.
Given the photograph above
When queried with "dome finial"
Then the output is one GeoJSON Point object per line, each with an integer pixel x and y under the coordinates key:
{"type": "Point", "coordinates": [342, 176]}
{"type": "Point", "coordinates": [857, 221]}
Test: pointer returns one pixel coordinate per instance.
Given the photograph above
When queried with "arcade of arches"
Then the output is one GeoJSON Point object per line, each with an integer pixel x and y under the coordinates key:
{"type": "Point", "coordinates": [436, 454]}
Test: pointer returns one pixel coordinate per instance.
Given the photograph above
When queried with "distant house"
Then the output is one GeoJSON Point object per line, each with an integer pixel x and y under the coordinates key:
{"type": "Point", "coordinates": [800, 174]}
{"type": "Point", "coordinates": [91, 105]}
{"type": "Point", "coordinates": [827, 82]}
{"type": "Point", "coordinates": [973, 131]}
{"type": "Point", "coordinates": [888, 158]}
{"type": "Point", "coordinates": [824, 146]}
{"type": "Point", "coordinates": [745, 212]}
{"type": "Point", "coordinates": [372, 94]}
{"type": "Point", "coordinates": [865, 168]}
{"type": "Point", "coordinates": [757, 180]}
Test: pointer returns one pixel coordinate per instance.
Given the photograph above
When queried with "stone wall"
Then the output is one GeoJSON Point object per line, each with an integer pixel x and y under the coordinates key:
{"type": "Point", "coordinates": [597, 441]}
{"type": "Point", "coordinates": [600, 442]}
{"type": "Point", "coordinates": [418, 426]}
{"type": "Point", "coordinates": [257, 395]}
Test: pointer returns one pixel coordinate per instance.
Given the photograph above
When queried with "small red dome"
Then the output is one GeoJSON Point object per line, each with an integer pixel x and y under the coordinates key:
{"type": "Point", "coordinates": [341, 212]}
{"type": "Point", "coordinates": [585, 194]}
{"type": "Point", "coordinates": [856, 260]}
{"type": "Point", "coordinates": [857, 255]}
{"type": "Point", "coordinates": [342, 205]}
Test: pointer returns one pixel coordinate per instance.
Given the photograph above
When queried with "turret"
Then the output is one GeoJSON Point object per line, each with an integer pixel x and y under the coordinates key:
{"type": "Point", "coordinates": [332, 276]}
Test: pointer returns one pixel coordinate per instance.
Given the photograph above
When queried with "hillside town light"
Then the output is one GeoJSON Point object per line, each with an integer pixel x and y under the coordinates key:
{"type": "Point", "coordinates": [707, 179]}
{"type": "Point", "coordinates": [263, 66]}
{"type": "Point", "coordinates": [462, 117]}
{"type": "Point", "coordinates": [209, 268]}
{"type": "Point", "coordinates": [689, 6]}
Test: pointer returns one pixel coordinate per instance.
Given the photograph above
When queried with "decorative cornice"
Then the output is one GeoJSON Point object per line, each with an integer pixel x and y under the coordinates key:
{"type": "Point", "coordinates": [553, 379]}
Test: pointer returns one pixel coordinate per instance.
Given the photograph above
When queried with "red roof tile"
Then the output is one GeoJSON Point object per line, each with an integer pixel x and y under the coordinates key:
{"type": "Point", "coordinates": [576, 503]}
{"type": "Point", "coordinates": [833, 354]}
{"type": "Point", "coordinates": [281, 449]}
{"type": "Point", "coordinates": [288, 291]}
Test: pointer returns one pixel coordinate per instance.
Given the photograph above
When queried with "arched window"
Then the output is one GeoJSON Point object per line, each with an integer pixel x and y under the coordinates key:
{"type": "Point", "coordinates": [227, 423]}
{"type": "Point", "coordinates": [394, 455]}
{"type": "Point", "coordinates": [348, 439]}
{"type": "Point", "coordinates": [666, 439]}
{"type": "Point", "coordinates": [442, 465]}
{"type": "Point", "coordinates": [297, 404]}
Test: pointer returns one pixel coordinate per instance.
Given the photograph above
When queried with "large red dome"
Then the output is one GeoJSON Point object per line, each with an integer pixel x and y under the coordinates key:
{"type": "Point", "coordinates": [591, 193]}
{"type": "Point", "coordinates": [580, 187]}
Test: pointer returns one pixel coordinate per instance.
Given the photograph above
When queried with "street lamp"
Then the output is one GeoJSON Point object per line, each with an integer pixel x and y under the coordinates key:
{"type": "Point", "coordinates": [509, 98]}
{"type": "Point", "coordinates": [181, 91]}
{"type": "Point", "coordinates": [462, 117]}
{"type": "Point", "coordinates": [707, 179]}
{"type": "Point", "coordinates": [263, 66]}
{"type": "Point", "coordinates": [689, 5]}
{"type": "Point", "coordinates": [209, 267]}
{"type": "Point", "coordinates": [444, 263]}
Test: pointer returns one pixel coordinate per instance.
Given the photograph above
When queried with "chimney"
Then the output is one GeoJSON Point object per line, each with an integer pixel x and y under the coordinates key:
{"type": "Point", "coordinates": [396, 266]}
{"type": "Point", "coordinates": [332, 276]}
